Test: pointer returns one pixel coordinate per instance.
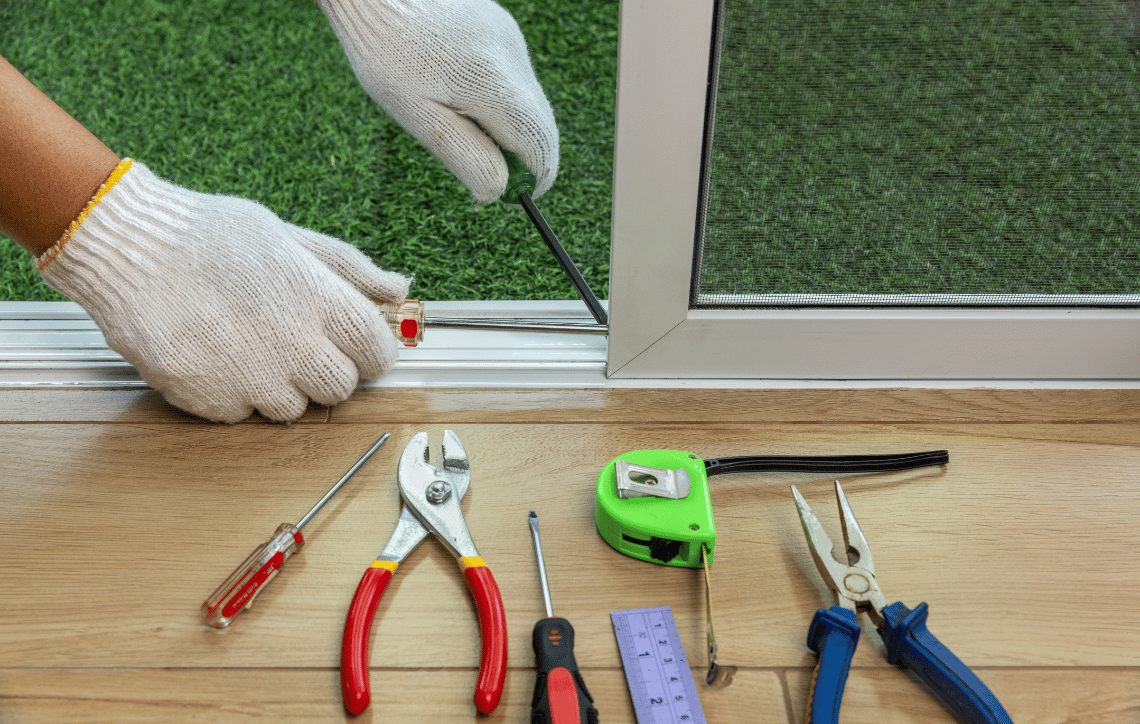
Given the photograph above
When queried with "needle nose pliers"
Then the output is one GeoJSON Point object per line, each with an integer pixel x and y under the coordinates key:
{"type": "Point", "coordinates": [431, 505]}
{"type": "Point", "coordinates": [834, 632]}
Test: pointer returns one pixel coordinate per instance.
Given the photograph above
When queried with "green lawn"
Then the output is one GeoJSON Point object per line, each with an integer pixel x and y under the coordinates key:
{"type": "Point", "coordinates": [976, 147]}
{"type": "Point", "coordinates": [257, 99]}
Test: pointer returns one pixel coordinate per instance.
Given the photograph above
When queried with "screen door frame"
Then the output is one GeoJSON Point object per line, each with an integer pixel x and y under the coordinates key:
{"type": "Point", "coordinates": [663, 82]}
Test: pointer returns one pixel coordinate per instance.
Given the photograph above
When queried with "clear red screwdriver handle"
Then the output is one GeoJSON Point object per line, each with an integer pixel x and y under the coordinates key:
{"type": "Point", "coordinates": [406, 320]}
{"type": "Point", "coordinates": [238, 591]}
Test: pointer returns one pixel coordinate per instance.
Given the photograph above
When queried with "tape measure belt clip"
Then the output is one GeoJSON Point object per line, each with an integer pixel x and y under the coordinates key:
{"type": "Point", "coordinates": [640, 481]}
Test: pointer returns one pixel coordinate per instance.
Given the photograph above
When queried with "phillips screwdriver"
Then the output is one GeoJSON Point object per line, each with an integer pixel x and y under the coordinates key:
{"type": "Point", "coordinates": [560, 695]}
{"type": "Point", "coordinates": [239, 590]}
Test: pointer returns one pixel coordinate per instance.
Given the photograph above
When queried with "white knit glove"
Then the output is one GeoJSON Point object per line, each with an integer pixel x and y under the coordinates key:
{"type": "Point", "coordinates": [219, 304]}
{"type": "Point", "coordinates": [456, 75]}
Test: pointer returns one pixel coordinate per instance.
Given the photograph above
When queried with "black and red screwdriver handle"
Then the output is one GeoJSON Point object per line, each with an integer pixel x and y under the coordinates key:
{"type": "Point", "coordinates": [354, 679]}
{"type": "Point", "coordinates": [560, 694]}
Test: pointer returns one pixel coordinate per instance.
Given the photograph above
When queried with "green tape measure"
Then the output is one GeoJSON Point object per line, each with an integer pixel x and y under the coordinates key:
{"type": "Point", "coordinates": [654, 505]}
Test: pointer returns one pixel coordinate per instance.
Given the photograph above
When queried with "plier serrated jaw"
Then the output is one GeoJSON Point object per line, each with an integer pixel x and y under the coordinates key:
{"type": "Point", "coordinates": [433, 495]}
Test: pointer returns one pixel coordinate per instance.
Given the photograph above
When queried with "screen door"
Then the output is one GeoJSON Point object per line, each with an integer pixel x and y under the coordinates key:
{"type": "Point", "coordinates": [921, 153]}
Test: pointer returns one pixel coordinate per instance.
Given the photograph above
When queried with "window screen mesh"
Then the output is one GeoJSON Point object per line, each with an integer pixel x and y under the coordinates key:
{"type": "Point", "coordinates": [923, 153]}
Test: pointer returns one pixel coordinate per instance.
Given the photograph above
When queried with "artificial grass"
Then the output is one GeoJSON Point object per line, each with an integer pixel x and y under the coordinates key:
{"type": "Point", "coordinates": [975, 147]}
{"type": "Point", "coordinates": [980, 147]}
{"type": "Point", "coordinates": [258, 100]}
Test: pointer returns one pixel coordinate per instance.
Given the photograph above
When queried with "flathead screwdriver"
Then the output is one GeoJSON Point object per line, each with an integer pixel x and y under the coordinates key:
{"type": "Point", "coordinates": [238, 591]}
{"type": "Point", "coordinates": [560, 695]}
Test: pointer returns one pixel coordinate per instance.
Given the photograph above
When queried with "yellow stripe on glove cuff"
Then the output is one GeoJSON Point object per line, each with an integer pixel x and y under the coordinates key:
{"type": "Point", "coordinates": [54, 250]}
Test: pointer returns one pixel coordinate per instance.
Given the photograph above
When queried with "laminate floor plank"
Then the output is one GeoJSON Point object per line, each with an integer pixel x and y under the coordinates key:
{"type": "Point", "coordinates": [117, 528]}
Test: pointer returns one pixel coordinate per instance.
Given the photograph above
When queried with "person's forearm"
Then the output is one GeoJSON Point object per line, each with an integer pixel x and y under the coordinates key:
{"type": "Point", "coordinates": [50, 165]}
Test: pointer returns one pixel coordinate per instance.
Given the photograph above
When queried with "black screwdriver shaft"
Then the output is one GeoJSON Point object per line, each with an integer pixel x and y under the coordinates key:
{"type": "Point", "coordinates": [564, 259]}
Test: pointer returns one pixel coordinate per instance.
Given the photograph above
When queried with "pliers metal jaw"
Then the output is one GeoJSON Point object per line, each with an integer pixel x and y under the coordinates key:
{"type": "Point", "coordinates": [433, 495]}
{"type": "Point", "coordinates": [431, 505]}
{"type": "Point", "coordinates": [834, 632]}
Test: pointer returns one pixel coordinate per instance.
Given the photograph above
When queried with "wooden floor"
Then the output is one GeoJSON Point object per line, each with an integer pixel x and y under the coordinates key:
{"type": "Point", "coordinates": [120, 515]}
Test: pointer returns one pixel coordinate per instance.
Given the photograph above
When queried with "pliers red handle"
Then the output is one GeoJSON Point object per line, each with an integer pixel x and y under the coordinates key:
{"type": "Point", "coordinates": [431, 505]}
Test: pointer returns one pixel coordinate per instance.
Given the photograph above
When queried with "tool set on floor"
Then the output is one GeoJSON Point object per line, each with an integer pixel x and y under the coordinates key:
{"type": "Point", "coordinates": [653, 505]}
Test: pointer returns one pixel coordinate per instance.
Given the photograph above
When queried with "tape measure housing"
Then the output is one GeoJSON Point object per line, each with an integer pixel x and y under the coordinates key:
{"type": "Point", "coordinates": [665, 530]}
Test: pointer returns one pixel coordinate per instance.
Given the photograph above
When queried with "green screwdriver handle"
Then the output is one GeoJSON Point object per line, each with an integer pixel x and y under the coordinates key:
{"type": "Point", "coordinates": [520, 180]}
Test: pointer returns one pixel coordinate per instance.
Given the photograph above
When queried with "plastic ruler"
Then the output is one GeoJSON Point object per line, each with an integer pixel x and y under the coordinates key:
{"type": "Point", "coordinates": [656, 668]}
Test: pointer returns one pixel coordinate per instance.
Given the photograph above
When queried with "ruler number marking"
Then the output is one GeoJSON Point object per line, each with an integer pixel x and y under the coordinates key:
{"type": "Point", "coordinates": [660, 682]}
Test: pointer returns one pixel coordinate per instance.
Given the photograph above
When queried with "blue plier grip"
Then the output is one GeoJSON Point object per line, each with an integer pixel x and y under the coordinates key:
{"type": "Point", "coordinates": [833, 634]}
{"type": "Point", "coordinates": [910, 644]}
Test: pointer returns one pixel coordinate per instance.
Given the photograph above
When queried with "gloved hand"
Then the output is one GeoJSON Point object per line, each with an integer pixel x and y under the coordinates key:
{"type": "Point", "coordinates": [456, 75]}
{"type": "Point", "coordinates": [219, 304]}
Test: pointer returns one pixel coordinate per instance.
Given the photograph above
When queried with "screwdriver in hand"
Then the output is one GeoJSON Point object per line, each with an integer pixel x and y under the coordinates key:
{"type": "Point", "coordinates": [239, 590]}
{"type": "Point", "coordinates": [407, 318]}
{"type": "Point", "coordinates": [520, 185]}
{"type": "Point", "coordinates": [560, 695]}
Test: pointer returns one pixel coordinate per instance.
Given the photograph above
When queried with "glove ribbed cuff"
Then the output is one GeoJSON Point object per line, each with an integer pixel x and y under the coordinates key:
{"type": "Point", "coordinates": [119, 241]}
{"type": "Point", "coordinates": [54, 251]}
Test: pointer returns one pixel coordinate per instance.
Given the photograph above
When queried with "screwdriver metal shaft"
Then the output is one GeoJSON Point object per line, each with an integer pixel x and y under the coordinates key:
{"type": "Point", "coordinates": [560, 694]}
{"type": "Point", "coordinates": [351, 471]}
{"type": "Point", "coordinates": [521, 184]}
{"type": "Point", "coordinates": [541, 564]}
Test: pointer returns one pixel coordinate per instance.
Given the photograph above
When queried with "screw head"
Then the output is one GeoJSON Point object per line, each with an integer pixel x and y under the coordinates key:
{"type": "Point", "coordinates": [438, 492]}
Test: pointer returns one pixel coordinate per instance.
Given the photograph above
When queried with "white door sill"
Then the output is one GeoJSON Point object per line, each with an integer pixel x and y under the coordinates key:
{"type": "Point", "coordinates": [56, 345]}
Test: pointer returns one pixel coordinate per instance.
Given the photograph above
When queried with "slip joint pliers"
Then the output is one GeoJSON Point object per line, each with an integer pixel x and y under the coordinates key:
{"type": "Point", "coordinates": [430, 505]}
